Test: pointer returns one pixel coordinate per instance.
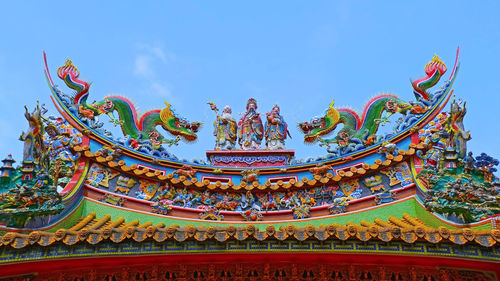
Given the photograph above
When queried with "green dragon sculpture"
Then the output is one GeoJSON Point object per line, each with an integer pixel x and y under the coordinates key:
{"type": "Point", "coordinates": [360, 131]}
{"type": "Point", "coordinates": [139, 129]}
{"type": "Point", "coordinates": [357, 132]}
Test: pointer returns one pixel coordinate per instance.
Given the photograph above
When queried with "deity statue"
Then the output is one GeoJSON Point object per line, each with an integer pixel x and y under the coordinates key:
{"type": "Point", "coordinates": [225, 129]}
{"type": "Point", "coordinates": [457, 135]}
{"type": "Point", "coordinates": [250, 129]}
{"type": "Point", "coordinates": [33, 138]}
{"type": "Point", "coordinates": [276, 129]}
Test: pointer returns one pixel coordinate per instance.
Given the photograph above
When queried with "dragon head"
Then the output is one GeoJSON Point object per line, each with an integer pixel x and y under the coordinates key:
{"type": "Point", "coordinates": [320, 126]}
{"type": "Point", "coordinates": [178, 126]}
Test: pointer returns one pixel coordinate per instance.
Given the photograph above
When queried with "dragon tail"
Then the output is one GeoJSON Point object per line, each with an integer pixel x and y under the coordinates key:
{"type": "Point", "coordinates": [434, 70]}
{"type": "Point", "coordinates": [69, 74]}
{"type": "Point", "coordinates": [422, 155]}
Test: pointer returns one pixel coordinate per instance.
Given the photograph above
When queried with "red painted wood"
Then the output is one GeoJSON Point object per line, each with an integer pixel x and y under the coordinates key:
{"type": "Point", "coordinates": [95, 263]}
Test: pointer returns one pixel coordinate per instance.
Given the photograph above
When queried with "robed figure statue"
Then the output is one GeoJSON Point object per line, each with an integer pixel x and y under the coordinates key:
{"type": "Point", "coordinates": [250, 128]}
{"type": "Point", "coordinates": [276, 129]}
{"type": "Point", "coordinates": [225, 128]}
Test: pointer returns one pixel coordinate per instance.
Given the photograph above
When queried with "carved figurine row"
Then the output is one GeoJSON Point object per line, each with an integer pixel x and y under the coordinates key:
{"type": "Point", "coordinates": [373, 184]}
{"type": "Point", "coordinates": [244, 201]}
{"type": "Point", "coordinates": [250, 204]}
{"type": "Point", "coordinates": [250, 209]}
{"type": "Point", "coordinates": [249, 131]}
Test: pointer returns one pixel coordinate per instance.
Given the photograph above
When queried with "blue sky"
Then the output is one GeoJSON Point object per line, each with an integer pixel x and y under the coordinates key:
{"type": "Point", "coordinates": [296, 54]}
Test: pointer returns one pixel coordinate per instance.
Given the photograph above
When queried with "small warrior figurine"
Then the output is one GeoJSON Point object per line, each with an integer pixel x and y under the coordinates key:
{"type": "Point", "coordinates": [225, 128]}
{"type": "Point", "coordinates": [250, 129]}
{"type": "Point", "coordinates": [469, 163]}
{"type": "Point", "coordinates": [276, 129]}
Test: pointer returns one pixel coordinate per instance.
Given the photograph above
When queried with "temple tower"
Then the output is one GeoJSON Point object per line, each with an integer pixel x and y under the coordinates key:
{"type": "Point", "coordinates": [8, 167]}
{"type": "Point", "coordinates": [28, 169]}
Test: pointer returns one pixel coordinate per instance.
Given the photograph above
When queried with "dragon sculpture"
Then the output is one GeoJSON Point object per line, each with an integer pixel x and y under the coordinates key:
{"type": "Point", "coordinates": [140, 129]}
{"type": "Point", "coordinates": [360, 131]}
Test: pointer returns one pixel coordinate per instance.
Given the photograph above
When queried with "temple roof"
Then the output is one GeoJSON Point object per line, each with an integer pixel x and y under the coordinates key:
{"type": "Point", "coordinates": [95, 230]}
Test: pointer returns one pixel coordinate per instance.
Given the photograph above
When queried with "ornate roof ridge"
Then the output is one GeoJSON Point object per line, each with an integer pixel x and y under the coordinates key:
{"type": "Point", "coordinates": [325, 178]}
{"type": "Point", "coordinates": [408, 229]}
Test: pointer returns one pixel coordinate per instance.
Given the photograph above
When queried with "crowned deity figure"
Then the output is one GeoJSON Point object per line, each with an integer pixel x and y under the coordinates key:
{"type": "Point", "coordinates": [276, 129]}
{"type": "Point", "coordinates": [225, 129]}
{"type": "Point", "coordinates": [250, 129]}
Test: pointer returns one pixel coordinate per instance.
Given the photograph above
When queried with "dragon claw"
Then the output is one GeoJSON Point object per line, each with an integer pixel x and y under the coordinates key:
{"type": "Point", "coordinates": [116, 122]}
{"type": "Point", "coordinates": [173, 141]}
{"type": "Point", "coordinates": [323, 142]}
{"type": "Point", "coordinates": [382, 121]}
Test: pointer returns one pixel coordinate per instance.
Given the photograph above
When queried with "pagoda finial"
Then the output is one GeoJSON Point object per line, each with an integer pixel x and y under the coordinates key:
{"type": "Point", "coordinates": [7, 167]}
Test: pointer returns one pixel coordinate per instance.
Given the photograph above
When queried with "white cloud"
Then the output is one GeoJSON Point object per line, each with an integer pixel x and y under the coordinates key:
{"type": "Point", "coordinates": [159, 53]}
{"type": "Point", "coordinates": [160, 90]}
{"type": "Point", "coordinates": [142, 66]}
{"type": "Point", "coordinates": [148, 58]}
{"type": "Point", "coordinates": [148, 61]}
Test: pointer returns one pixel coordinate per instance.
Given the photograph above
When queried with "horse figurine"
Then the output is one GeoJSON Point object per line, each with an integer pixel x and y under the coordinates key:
{"type": "Point", "coordinates": [289, 200]}
{"type": "Point", "coordinates": [183, 197]}
{"type": "Point", "coordinates": [268, 202]}
{"type": "Point", "coordinates": [162, 207]}
{"type": "Point", "coordinates": [187, 171]}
